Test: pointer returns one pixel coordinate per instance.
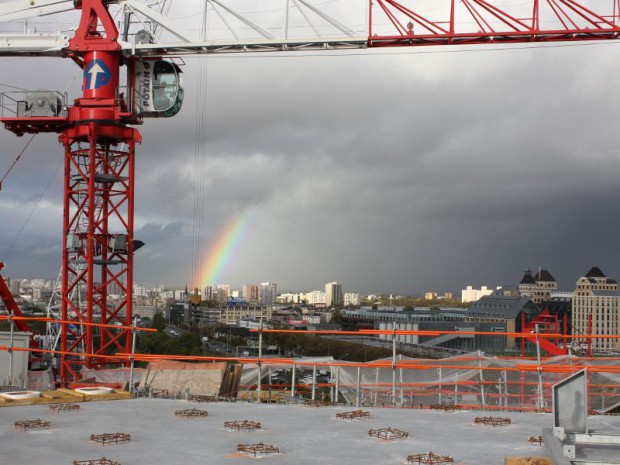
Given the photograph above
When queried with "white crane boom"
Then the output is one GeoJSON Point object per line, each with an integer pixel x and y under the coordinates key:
{"type": "Point", "coordinates": [178, 40]}
{"type": "Point", "coordinates": [27, 9]}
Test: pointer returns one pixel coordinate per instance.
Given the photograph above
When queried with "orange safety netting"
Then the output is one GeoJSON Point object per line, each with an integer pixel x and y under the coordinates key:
{"type": "Point", "coordinates": [472, 380]}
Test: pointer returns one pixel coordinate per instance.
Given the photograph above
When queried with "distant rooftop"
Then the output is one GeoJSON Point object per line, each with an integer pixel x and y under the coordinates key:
{"type": "Point", "coordinates": [544, 275]}
{"type": "Point", "coordinates": [499, 306]}
{"type": "Point", "coordinates": [595, 272]}
{"type": "Point", "coordinates": [527, 278]}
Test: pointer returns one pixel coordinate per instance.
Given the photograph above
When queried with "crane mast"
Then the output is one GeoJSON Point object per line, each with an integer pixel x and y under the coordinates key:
{"type": "Point", "coordinates": [100, 141]}
{"type": "Point", "coordinates": [99, 160]}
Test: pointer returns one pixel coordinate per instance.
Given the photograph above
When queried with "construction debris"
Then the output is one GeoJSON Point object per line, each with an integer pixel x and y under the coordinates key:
{"type": "Point", "coordinates": [165, 377]}
{"type": "Point", "coordinates": [201, 399]}
{"type": "Point", "coordinates": [388, 433]}
{"type": "Point", "coordinates": [354, 415]}
{"type": "Point", "coordinates": [229, 388]}
{"type": "Point", "coordinates": [101, 461]}
{"type": "Point", "coordinates": [64, 407]}
{"type": "Point", "coordinates": [492, 421]}
{"type": "Point", "coordinates": [192, 412]}
{"type": "Point", "coordinates": [317, 403]}
{"type": "Point", "coordinates": [535, 440]}
{"type": "Point", "coordinates": [446, 407]}
{"type": "Point", "coordinates": [110, 438]}
{"type": "Point", "coordinates": [27, 425]}
{"type": "Point", "coordinates": [258, 450]}
{"type": "Point", "coordinates": [245, 425]}
{"type": "Point", "coordinates": [429, 459]}
{"type": "Point", "coordinates": [527, 461]}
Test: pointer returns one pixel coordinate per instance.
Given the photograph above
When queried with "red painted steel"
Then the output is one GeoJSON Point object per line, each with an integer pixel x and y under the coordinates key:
{"type": "Point", "coordinates": [98, 202]}
{"type": "Point", "coordinates": [98, 199]}
{"type": "Point", "coordinates": [11, 305]}
{"type": "Point", "coordinates": [548, 324]}
{"type": "Point", "coordinates": [590, 342]}
{"type": "Point", "coordinates": [99, 188]}
{"type": "Point", "coordinates": [415, 23]}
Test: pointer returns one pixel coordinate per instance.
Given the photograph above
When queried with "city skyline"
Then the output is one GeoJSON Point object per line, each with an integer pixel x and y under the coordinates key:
{"type": "Point", "coordinates": [397, 171]}
{"type": "Point", "coordinates": [244, 288]}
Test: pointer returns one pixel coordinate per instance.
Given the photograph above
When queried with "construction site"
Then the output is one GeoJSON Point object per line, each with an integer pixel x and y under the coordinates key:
{"type": "Point", "coordinates": [303, 434]}
{"type": "Point", "coordinates": [82, 394]}
{"type": "Point", "coordinates": [491, 410]}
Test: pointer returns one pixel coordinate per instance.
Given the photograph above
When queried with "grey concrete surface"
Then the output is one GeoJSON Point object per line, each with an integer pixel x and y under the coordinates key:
{"type": "Point", "coordinates": [306, 435]}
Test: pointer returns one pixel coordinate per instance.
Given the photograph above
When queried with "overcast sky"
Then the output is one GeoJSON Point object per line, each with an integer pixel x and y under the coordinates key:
{"type": "Point", "coordinates": [404, 170]}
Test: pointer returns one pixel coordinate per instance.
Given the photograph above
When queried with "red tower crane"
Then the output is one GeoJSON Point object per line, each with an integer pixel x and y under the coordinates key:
{"type": "Point", "coordinates": [99, 138]}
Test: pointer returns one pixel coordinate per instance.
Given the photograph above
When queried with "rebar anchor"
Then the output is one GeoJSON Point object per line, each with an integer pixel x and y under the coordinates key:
{"type": "Point", "coordinates": [430, 459]}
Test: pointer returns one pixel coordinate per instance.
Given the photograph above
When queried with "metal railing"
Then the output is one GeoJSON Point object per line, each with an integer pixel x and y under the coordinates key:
{"type": "Point", "coordinates": [35, 103]}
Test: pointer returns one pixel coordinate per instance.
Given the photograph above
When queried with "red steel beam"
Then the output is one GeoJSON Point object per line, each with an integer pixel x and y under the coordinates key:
{"type": "Point", "coordinates": [417, 23]}
{"type": "Point", "coordinates": [14, 311]}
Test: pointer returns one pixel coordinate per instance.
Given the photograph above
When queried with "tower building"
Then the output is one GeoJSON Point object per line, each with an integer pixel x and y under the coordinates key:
{"type": "Point", "coordinates": [596, 297]}
{"type": "Point", "coordinates": [333, 294]}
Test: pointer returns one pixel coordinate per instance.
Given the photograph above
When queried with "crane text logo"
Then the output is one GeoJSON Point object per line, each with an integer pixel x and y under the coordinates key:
{"type": "Point", "coordinates": [144, 83]}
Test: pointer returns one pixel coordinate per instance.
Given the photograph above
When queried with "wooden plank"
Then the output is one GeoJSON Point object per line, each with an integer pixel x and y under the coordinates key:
{"type": "Point", "coordinates": [71, 392]}
{"type": "Point", "coordinates": [116, 395]}
{"type": "Point", "coordinates": [64, 396]}
{"type": "Point", "coordinates": [53, 395]}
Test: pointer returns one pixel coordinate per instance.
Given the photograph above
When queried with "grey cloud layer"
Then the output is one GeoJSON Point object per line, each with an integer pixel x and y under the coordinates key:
{"type": "Point", "coordinates": [386, 172]}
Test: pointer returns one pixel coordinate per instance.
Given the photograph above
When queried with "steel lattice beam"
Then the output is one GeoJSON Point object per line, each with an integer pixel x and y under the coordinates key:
{"type": "Point", "coordinates": [99, 176]}
{"type": "Point", "coordinates": [488, 21]}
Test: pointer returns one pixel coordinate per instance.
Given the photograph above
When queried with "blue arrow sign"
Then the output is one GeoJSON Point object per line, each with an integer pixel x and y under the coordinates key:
{"type": "Point", "coordinates": [97, 74]}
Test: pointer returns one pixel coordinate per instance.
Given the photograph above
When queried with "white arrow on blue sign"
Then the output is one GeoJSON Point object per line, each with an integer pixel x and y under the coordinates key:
{"type": "Point", "coordinates": [97, 74]}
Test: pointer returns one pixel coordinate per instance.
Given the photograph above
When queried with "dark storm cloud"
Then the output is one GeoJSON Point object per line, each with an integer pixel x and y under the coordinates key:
{"type": "Point", "coordinates": [498, 170]}
{"type": "Point", "coordinates": [389, 172]}
{"type": "Point", "coordinates": [158, 233]}
{"type": "Point", "coordinates": [164, 257]}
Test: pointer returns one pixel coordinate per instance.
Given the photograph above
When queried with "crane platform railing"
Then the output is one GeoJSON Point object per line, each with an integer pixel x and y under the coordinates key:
{"type": "Point", "coordinates": [33, 103]}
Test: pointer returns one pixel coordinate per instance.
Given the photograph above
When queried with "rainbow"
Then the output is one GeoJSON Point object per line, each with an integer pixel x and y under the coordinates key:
{"type": "Point", "coordinates": [220, 253]}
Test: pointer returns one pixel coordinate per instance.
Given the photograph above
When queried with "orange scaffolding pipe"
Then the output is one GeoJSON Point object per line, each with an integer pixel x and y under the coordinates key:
{"type": "Point", "coordinates": [405, 332]}
{"type": "Point", "coordinates": [405, 364]}
{"type": "Point", "coordinates": [78, 323]}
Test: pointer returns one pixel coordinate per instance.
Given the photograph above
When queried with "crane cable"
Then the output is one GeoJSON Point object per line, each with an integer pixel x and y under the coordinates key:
{"type": "Point", "coordinates": [15, 161]}
{"type": "Point", "coordinates": [29, 217]}
{"type": "Point", "coordinates": [200, 165]}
